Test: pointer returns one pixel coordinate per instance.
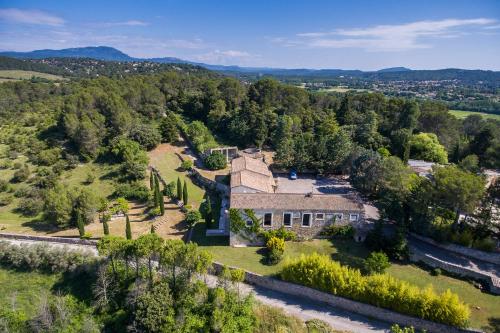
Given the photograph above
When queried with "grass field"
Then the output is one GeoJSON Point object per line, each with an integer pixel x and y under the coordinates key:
{"type": "Point", "coordinates": [15, 75]}
{"type": "Point", "coordinates": [464, 114]}
{"type": "Point", "coordinates": [484, 307]}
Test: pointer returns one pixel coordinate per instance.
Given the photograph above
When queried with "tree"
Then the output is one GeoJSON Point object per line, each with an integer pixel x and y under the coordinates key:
{"type": "Point", "coordinates": [470, 163]}
{"type": "Point", "coordinates": [168, 128]}
{"type": "Point", "coordinates": [215, 161]}
{"type": "Point", "coordinates": [179, 189]}
{"type": "Point", "coordinates": [122, 205]}
{"type": "Point", "coordinates": [162, 204]}
{"type": "Point", "coordinates": [458, 190]}
{"type": "Point", "coordinates": [146, 135]}
{"type": "Point", "coordinates": [377, 262]}
{"type": "Point", "coordinates": [206, 211]}
{"type": "Point", "coordinates": [133, 158]}
{"type": "Point", "coordinates": [128, 228]}
{"type": "Point", "coordinates": [153, 310]}
{"type": "Point", "coordinates": [152, 230]}
{"type": "Point", "coordinates": [192, 217]}
{"type": "Point", "coordinates": [185, 193]}
{"type": "Point", "coordinates": [21, 175]}
{"type": "Point", "coordinates": [151, 180]}
{"type": "Point", "coordinates": [426, 146]}
{"type": "Point", "coordinates": [58, 206]}
{"type": "Point", "coordinates": [105, 227]}
{"type": "Point", "coordinates": [80, 224]}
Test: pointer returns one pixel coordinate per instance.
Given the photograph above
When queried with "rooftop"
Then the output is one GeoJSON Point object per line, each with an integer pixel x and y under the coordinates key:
{"type": "Point", "coordinates": [295, 201]}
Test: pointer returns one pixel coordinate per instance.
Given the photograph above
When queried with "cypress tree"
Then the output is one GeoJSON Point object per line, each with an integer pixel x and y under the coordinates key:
{"type": "Point", "coordinates": [152, 229]}
{"type": "Point", "coordinates": [162, 204]}
{"type": "Point", "coordinates": [179, 189]}
{"type": "Point", "coordinates": [151, 180]}
{"type": "Point", "coordinates": [105, 226]}
{"type": "Point", "coordinates": [185, 194]}
{"type": "Point", "coordinates": [79, 223]}
{"type": "Point", "coordinates": [128, 229]}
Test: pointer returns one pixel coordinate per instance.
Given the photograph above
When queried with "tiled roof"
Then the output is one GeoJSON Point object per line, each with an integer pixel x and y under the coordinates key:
{"type": "Point", "coordinates": [252, 173]}
{"type": "Point", "coordinates": [283, 201]}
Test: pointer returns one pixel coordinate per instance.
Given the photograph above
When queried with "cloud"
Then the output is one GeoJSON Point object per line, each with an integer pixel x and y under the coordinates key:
{"type": "Point", "coordinates": [223, 57]}
{"type": "Point", "coordinates": [16, 15]}
{"type": "Point", "coordinates": [389, 37]}
{"type": "Point", "coordinates": [129, 23]}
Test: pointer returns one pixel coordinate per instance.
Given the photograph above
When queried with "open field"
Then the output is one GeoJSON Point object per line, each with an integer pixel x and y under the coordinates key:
{"type": "Point", "coordinates": [15, 75]}
{"type": "Point", "coordinates": [464, 114]}
{"type": "Point", "coordinates": [484, 307]}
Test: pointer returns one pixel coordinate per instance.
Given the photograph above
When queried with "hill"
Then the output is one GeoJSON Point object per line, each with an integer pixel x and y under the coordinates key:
{"type": "Point", "coordinates": [107, 53]}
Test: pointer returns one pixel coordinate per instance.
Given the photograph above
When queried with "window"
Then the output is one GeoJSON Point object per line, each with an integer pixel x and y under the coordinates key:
{"type": "Point", "coordinates": [306, 219]}
{"type": "Point", "coordinates": [296, 215]}
{"type": "Point", "coordinates": [353, 217]}
{"type": "Point", "coordinates": [320, 216]}
{"type": "Point", "coordinates": [287, 219]}
{"type": "Point", "coordinates": [268, 219]}
{"type": "Point", "coordinates": [249, 223]}
{"type": "Point", "coordinates": [338, 216]}
{"type": "Point", "coordinates": [329, 217]}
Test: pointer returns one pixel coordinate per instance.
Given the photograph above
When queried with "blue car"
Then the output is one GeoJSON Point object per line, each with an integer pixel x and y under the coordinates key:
{"type": "Point", "coordinates": [293, 174]}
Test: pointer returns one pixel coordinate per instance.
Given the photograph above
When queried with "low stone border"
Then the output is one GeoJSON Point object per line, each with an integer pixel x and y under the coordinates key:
{"type": "Point", "coordinates": [75, 241]}
{"type": "Point", "coordinates": [346, 304]}
{"type": "Point", "coordinates": [492, 257]}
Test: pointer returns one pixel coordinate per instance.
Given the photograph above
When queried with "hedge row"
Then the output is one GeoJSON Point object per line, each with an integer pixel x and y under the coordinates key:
{"type": "Point", "coordinates": [382, 290]}
{"type": "Point", "coordinates": [43, 257]}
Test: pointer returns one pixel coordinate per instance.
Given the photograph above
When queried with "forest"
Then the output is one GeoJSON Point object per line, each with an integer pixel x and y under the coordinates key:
{"type": "Point", "coordinates": [365, 135]}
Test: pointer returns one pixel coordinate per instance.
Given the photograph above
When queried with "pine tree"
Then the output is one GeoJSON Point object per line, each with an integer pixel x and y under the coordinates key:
{"type": "Point", "coordinates": [151, 180]}
{"type": "Point", "coordinates": [162, 204]}
{"type": "Point", "coordinates": [105, 227]}
{"type": "Point", "coordinates": [179, 189]}
{"type": "Point", "coordinates": [79, 223]}
{"type": "Point", "coordinates": [185, 194]}
{"type": "Point", "coordinates": [128, 229]}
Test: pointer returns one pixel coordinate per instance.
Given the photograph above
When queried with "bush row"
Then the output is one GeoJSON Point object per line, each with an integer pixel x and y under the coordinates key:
{"type": "Point", "coordinates": [43, 257]}
{"type": "Point", "coordinates": [319, 272]}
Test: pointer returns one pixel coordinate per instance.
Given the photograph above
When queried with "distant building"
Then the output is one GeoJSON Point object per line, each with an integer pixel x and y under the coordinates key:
{"type": "Point", "coordinates": [305, 212]}
{"type": "Point", "coordinates": [422, 168]}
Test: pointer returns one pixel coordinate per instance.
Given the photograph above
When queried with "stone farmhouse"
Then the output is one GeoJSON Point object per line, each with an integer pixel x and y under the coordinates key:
{"type": "Point", "coordinates": [299, 205]}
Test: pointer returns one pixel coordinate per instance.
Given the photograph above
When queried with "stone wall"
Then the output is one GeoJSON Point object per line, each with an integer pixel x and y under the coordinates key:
{"type": "Point", "coordinates": [418, 256]}
{"type": "Point", "coordinates": [490, 257]}
{"type": "Point", "coordinates": [346, 304]}
{"type": "Point", "coordinates": [75, 241]}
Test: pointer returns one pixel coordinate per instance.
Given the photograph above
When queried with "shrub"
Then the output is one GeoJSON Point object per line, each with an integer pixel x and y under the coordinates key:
{"type": "Point", "coordinates": [4, 185]}
{"type": "Point", "coordinates": [169, 190]}
{"type": "Point", "coordinates": [43, 257]}
{"type": "Point", "coordinates": [154, 212]}
{"type": "Point", "coordinates": [318, 326]}
{"type": "Point", "coordinates": [341, 231]}
{"type": "Point", "coordinates": [215, 161]}
{"type": "Point", "coordinates": [275, 249]}
{"type": "Point", "coordinates": [30, 206]}
{"type": "Point", "coordinates": [377, 262]}
{"type": "Point", "coordinates": [5, 199]}
{"type": "Point", "coordinates": [21, 174]}
{"type": "Point", "coordinates": [282, 233]}
{"type": "Point", "coordinates": [133, 191]}
{"type": "Point", "coordinates": [318, 271]}
{"type": "Point", "coordinates": [186, 165]}
{"type": "Point", "coordinates": [464, 238]}
{"type": "Point", "coordinates": [396, 329]}
{"type": "Point", "coordinates": [90, 177]}
{"type": "Point", "coordinates": [192, 217]}
{"type": "Point", "coordinates": [485, 244]}
{"type": "Point", "coordinates": [436, 272]}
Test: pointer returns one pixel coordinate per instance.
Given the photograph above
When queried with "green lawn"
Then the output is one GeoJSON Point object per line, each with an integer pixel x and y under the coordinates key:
{"type": "Point", "coordinates": [168, 163]}
{"type": "Point", "coordinates": [9, 75]}
{"type": "Point", "coordinates": [22, 289]}
{"type": "Point", "coordinates": [464, 114]}
{"type": "Point", "coordinates": [484, 307]}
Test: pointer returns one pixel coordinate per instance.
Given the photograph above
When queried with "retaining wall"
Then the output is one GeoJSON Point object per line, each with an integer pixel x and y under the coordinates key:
{"type": "Point", "coordinates": [346, 304]}
{"type": "Point", "coordinates": [76, 241]}
{"type": "Point", "coordinates": [490, 257]}
{"type": "Point", "coordinates": [418, 256]}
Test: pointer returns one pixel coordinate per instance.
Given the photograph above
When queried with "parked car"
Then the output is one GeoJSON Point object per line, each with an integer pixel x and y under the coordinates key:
{"type": "Point", "coordinates": [293, 174]}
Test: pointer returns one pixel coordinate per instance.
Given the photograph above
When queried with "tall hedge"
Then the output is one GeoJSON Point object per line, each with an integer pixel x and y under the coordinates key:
{"type": "Point", "coordinates": [382, 290]}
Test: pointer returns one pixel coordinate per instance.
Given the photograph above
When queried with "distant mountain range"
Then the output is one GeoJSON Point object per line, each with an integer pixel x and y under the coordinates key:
{"type": "Point", "coordinates": [107, 53]}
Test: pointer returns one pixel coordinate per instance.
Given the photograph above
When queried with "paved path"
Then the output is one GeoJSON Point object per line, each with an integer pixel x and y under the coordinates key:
{"type": "Point", "coordinates": [292, 305]}
{"type": "Point", "coordinates": [457, 259]}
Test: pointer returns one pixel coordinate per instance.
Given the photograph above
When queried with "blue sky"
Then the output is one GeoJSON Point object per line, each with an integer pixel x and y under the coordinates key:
{"type": "Point", "coordinates": [293, 34]}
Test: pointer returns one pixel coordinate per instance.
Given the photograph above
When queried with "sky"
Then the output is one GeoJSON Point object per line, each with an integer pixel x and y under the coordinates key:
{"type": "Point", "coordinates": [366, 35]}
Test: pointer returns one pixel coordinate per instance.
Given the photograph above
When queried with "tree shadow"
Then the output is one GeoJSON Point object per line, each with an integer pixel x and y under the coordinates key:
{"type": "Point", "coordinates": [493, 325]}
{"type": "Point", "coordinates": [40, 225]}
{"type": "Point", "coordinates": [349, 252]}
{"type": "Point", "coordinates": [77, 283]}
